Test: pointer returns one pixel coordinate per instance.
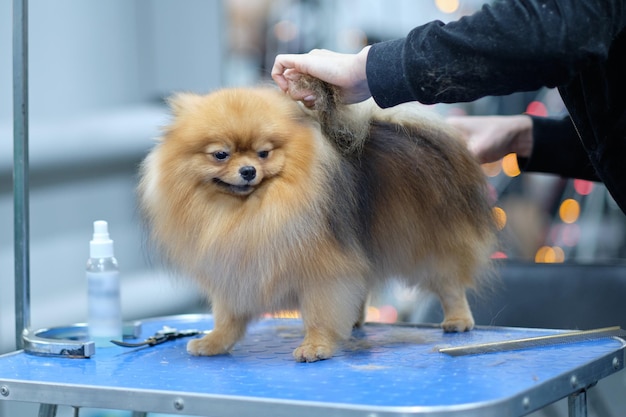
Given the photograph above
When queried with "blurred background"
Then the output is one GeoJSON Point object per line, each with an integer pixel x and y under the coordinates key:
{"type": "Point", "coordinates": [99, 74]}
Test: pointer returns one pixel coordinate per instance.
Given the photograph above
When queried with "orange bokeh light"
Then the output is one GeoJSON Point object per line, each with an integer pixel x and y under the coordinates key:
{"type": "Point", "coordinates": [550, 255]}
{"type": "Point", "coordinates": [499, 216]}
{"type": "Point", "coordinates": [492, 169]}
{"type": "Point", "coordinates": [569, 210]}
{"type": "Point", "coordinates": [509, 165]}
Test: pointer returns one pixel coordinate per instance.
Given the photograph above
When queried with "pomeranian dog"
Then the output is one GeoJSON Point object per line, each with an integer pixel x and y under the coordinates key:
{"type": "Point", "coordinates": [271, 206]}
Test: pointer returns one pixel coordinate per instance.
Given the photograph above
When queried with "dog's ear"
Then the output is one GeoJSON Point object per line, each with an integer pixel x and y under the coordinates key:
{"type": "Point", "coordinates": [180, 102]}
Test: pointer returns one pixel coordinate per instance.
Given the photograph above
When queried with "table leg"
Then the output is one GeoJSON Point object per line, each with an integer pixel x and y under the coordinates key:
{"type": "Point", "coordinates": [577, 404]}
{"type": "Point", "coordinates": [47, 410]}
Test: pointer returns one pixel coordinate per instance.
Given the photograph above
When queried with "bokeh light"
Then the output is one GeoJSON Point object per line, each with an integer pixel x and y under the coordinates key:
{"type": "Point", "coordinates": [509, 165]}
{"type": "Point", "coordinates": [492, 194]}
{"type": "Point", "coordinates": [382, 314]}
{"type": "Point", "coordinates": [492, 169]}
{"type": "Point", "coordinates": [569, 210]}
{"type": "Point", "coordinates": [540, 256]}
{"type": "Point", "coordinates": [559, 254]}
{"type": "Point", "coordinates": [447, 6]}
{"type": "Point", "coordinates": [285, 31]}
{"type": "Point", "coordinates": [550, 254]}
{"type": "Point", "coordinates": [537, 108]}
{"type": "Point", "coordinates": [570, 234]}
{"type": "Point", "coordinates": [499, 216]}
{"type": "Point", "coordinates": [284, 314]}
{"type": "Point", "coordinates": [583, 187]}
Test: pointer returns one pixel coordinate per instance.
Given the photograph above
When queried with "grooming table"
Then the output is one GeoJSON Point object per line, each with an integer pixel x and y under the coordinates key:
{"type": "Point", "coordinates": [384, 370]}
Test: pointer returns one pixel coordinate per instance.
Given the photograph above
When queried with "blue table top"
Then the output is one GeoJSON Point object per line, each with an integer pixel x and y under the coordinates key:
{"type": "Point", "coordinates": [392, 369]}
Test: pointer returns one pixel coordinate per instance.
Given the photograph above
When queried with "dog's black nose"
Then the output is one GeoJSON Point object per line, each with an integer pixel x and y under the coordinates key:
{"type": "Point", "coordinates": [247, 172]}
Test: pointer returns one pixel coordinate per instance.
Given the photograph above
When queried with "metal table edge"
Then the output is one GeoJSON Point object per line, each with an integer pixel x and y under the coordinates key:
{"type": "Point", "coordinates": [173, 402]}
{"type": "Point", "coordinates": [184, 403]}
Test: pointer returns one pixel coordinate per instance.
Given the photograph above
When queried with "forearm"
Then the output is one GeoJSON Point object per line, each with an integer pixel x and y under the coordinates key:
{"type": "Point", "coordinates": [506, 47]}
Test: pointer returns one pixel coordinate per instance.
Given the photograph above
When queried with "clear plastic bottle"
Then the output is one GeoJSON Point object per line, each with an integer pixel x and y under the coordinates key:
{"type": "Point", "coordinates": [103, 286]}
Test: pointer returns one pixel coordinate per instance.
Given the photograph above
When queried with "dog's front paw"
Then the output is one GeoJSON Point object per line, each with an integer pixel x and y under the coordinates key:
{"type": "Point", "coordinates": [308, 352]}
{"type": "Point", "coordinates": [457, 324]}
{"type": "Point", "coordinates": [207, 346]}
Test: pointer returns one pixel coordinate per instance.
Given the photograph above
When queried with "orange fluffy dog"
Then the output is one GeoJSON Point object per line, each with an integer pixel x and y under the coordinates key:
{"type": "Point", "coordinates": [269, 206]}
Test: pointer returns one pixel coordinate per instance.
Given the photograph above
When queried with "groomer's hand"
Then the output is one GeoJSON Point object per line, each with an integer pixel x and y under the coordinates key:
{"type": "Point", "coordinates": [346, 71]}
{"type": "Point", "coordinates": [491, 138]}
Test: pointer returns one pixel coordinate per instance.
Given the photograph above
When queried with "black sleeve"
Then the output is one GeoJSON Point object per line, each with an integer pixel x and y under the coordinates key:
{"type": "Point", "coordinates": [508, 46]}
{"type": "Point", "coordinates": [557, 149]}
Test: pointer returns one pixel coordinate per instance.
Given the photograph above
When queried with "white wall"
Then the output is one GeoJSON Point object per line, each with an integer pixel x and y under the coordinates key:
{"type": "Point", "coordinates": [98, 73]}
{"type": "Point", "coordinates": [88, 55]}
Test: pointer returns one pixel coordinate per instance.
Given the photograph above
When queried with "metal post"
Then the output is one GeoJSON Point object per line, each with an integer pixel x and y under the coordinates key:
{"type": "Point", "coordinates": [577, 404]}
{"type": "Point", "coordinates": [20, 169]}
{"type": "Point", "coordinates": [47, 410]}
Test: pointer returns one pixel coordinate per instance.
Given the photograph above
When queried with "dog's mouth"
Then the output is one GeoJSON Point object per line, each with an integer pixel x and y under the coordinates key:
{"type": "Point", "coordinates": [241, 190]}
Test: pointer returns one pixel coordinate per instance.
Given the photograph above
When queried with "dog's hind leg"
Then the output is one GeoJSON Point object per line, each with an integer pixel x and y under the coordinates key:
{"type": "Point", "coordinates": [457, 316]}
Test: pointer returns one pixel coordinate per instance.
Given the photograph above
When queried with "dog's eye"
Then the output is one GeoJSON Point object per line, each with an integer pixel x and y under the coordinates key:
{"type": "Point", "coordinates": [263, 154]}
{"type": "Point", "coordinates": [221, 155]}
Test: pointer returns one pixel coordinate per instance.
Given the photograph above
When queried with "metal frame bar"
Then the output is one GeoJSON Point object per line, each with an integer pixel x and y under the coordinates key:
{"type": "Point", "coordinates": [47, 410]}
{"type": "Point", "coordinates": [21, 208]}
{"type": "Point", "coordinates": [577, 404]}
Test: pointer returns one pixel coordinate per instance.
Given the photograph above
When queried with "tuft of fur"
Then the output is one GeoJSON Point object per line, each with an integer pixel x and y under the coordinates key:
{"type": "Point", "coordinates": [270, 206]}
{"type": "Point", "coordinates": [346, 127]}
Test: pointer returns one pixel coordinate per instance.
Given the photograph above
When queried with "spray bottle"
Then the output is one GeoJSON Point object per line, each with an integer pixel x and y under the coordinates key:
{"type": "Point", "coordinates": [103, 283]}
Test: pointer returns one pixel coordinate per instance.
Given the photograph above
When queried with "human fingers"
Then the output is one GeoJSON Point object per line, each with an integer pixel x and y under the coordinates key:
{"type": "Point", "coordinates": [328, 66]}
{"type": "Point", "coordinates": [295, 89]}
{"type": "Point", "coordinates": [288, 66]}
{"type": "Point", "coordinates": [281, 64]}
{"type": "Point", "coordinates": [345, 71]}
{"type": "Point", "coordinates": [490, 138]}
{"type": "Point", "coordinates": [477, 133]}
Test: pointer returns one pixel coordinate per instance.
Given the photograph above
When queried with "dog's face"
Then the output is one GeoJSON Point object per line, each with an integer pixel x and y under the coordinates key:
{"type": "Point", "coordinates": [232, 143]}
{"type": "Point", "coordinates": [238, 166]}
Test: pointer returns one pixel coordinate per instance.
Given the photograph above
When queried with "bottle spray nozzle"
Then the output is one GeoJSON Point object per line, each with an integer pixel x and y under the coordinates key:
{"type": "Point", "coordinates": [100, 230]}
{"type": "Point", "coordinates": [101, 245]}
